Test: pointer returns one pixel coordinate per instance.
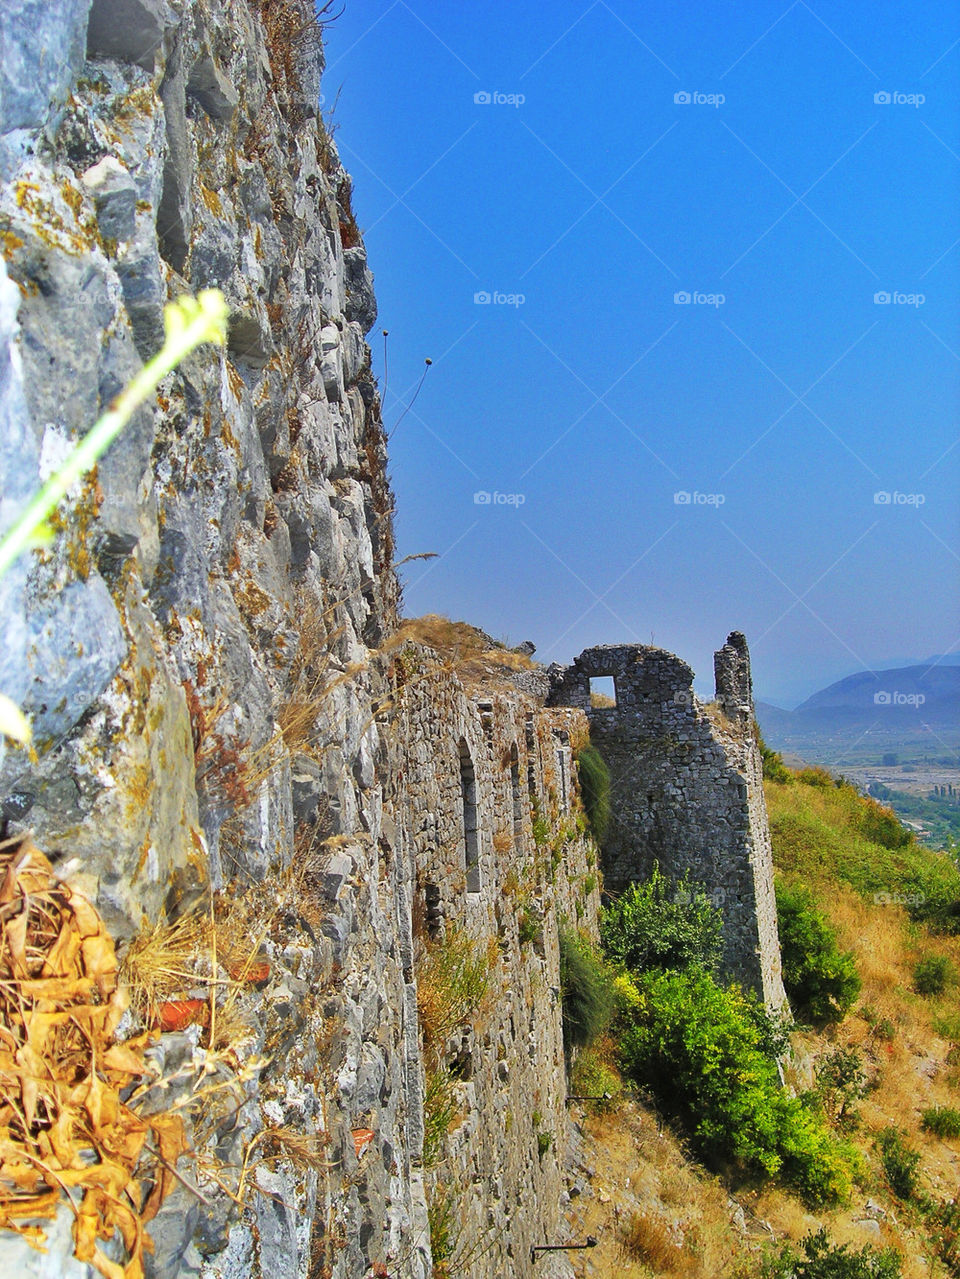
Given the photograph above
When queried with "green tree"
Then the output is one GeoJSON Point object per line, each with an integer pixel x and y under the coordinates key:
{"type": "Point", "coordinates": [702, 1050]}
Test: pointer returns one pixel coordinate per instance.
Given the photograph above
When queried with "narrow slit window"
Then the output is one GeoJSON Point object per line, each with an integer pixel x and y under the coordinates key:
{"type": "Point", "coordinates": [515, 794]}
{"type": "Point", "coordinates": [471, 835]}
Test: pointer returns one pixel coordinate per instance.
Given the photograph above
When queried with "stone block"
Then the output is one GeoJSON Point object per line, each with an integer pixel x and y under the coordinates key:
{"type": "Point", "coordinates": [129, 30]}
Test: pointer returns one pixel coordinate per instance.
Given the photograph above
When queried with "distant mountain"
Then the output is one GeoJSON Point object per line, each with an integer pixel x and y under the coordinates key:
{"type": "Point", "coordinates": [875, 706]}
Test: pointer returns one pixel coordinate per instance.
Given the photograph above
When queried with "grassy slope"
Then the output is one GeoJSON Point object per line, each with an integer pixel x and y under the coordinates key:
{"type": "Point", "coordinates": [822, 835]}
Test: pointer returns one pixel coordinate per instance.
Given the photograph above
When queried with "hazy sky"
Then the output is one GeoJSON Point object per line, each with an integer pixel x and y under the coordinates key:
{"type": "Point", "coordinates": [658, 468]}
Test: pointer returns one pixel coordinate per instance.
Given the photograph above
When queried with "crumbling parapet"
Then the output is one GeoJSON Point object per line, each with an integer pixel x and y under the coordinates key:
{"type": "Point", "coordinates": [686, 789]}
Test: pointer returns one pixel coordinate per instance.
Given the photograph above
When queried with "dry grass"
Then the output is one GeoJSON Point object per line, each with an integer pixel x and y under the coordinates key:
{"type": "Point", "coordinates": [452, 984]}
{"type": "Point", "coordinates": [163, 959]}
{"type": "Point", "coordinates": [462, 647]}
{"type": "Point", "coordinates": [647, 1238]}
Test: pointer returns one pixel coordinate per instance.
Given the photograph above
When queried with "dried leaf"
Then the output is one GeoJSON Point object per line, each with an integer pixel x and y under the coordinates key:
{"type": "Point", "coordinates": [15, 936]}
{"type": "Point", "coordinates": [124, 1058]}
{"type": "Point", "coordinates": [87, 920]}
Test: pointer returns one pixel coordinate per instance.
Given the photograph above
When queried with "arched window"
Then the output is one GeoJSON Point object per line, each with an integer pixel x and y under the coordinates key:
{"type": "Point", "coordinates": [471, 835]}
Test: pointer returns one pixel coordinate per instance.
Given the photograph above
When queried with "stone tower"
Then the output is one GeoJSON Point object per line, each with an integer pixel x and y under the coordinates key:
{"type": "Point", "coordinates": [687, 789]}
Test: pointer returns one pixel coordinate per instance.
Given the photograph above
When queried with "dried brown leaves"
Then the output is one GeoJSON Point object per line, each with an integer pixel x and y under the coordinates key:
{"type": "Point", "coordinates": [64, 1130]}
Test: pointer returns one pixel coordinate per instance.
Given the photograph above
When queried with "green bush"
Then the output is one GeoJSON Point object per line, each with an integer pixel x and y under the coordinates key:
{"type": "Point", "coordinates": [662, 925]}
{"type": "Point", "coordinates": [943, 1121]}
{"type": "Point", "coordinates": [819, 1259]}
{"type": "Point", "coordinates": [774, 769]}
{"type": "Point", "coordinates": [595, 790]}
{"type": "Point", "coordinates": [931, 974]}
{"type": "Point", "coordinates": [586, 991]}
{"type": "Point", "coordinates": [900, 1163]}
{"type": "Point", "coordinates": [841, 1080]}
{"type": "Point", "coordinates": [439, 1112]}
{"type": "Point", "coordinates": [820, 980]}
{"type": "Point", "coordinates": [701, 1049]}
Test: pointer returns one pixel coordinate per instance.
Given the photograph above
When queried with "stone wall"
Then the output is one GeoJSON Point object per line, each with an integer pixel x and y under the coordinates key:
{"type": "Point", "coordinates": [687, 789]}
{"type": "Point", "coordinates": [204, 654]}
{"type": "Point", "coordinates": [502, 1165]}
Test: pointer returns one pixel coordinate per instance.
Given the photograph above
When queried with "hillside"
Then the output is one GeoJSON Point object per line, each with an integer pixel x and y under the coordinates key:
{"type": "Point", "coordinates": [891, 904]}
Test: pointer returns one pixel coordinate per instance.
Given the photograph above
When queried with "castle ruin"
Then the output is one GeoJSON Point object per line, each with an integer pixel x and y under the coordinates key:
{"type": "Point", "coordinates": [687, 789]}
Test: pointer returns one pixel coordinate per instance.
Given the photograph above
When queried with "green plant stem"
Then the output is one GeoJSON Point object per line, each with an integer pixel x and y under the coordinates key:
{"type": "Point", "coordinates": [204, 321]}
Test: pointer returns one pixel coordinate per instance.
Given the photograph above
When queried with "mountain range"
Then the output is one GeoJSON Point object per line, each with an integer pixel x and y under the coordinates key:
{"type": "Point", "coordinates": [897, 704]}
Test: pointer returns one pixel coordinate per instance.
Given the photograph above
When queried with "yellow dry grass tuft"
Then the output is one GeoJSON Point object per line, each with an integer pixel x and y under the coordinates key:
{"type": "Point", "coordinates": [462, 647]}
{"type": "Point", "coordinates": [647, 1238]}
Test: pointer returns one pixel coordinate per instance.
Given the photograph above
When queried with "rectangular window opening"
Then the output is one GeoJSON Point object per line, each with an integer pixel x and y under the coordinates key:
{"type": "Point", "coordinates": [603, 692]}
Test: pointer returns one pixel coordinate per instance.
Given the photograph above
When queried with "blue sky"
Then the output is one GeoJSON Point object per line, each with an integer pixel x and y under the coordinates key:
{"type": "Point", "coordinates": [784, 167]}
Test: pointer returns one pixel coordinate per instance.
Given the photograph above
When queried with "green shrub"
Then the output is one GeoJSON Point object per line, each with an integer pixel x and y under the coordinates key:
{"type": "Point", "coordinates": [701, 1049]}
{"type": "Point", "coordinates": [948, 1027]}
{"type": "Point", "coordinates": [595, 790]}
{"type": "Point", "coordinates": [943, 1121]}
{"type": "Point", "coordinates": [529, 925]}
{"type": "Point", "coordinates": [441, 1217]}
{"type": "Point", "coordinates": [439, 1112]}
{"type": "Point", "coordinates": [586, 991]}
{"type": "Point", "coordinates": [820, 980]}
{"type": "Point", "coordinates": [819, 1259]}
{"type": "Point", "coordinates": [841, 1080]}
{"type": "Point", "coordinates": [814, 777]}
{"type": "Point", "coordinates": [900, 1163]}
{"type": "Point", "coordinates": [774, 769]}
{"type": "Point", "coordinates": [931, 974]}
{"type": "Point", "coordinates": [662, 925]}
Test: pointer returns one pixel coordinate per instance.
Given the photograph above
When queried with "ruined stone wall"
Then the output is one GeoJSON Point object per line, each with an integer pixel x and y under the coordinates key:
{"type": "Point", "coordinates": [502, 1163]}
{"type": "Point", "coordinates": [687, 790]}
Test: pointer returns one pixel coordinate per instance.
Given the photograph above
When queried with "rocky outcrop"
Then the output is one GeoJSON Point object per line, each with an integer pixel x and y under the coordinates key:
{"type": "Point", "coordinates": [198, 649]}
